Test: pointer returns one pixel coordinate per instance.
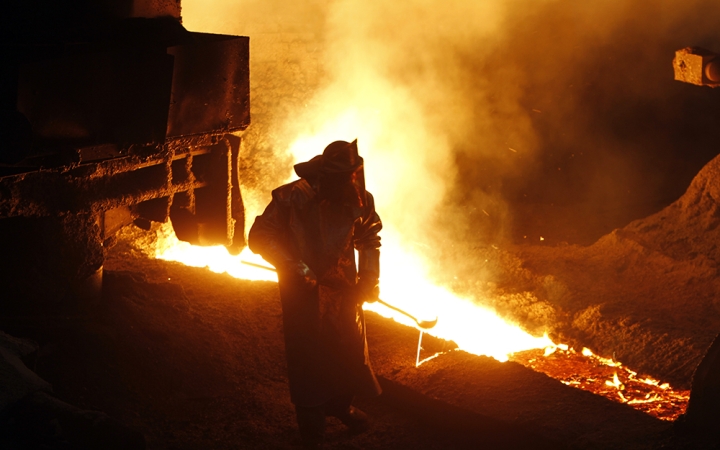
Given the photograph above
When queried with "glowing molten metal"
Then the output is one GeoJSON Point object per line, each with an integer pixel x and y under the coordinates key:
{"type": "Point", "coordinates": [474, 328]}
{"type": "Point", "coordinates": [215, 258]}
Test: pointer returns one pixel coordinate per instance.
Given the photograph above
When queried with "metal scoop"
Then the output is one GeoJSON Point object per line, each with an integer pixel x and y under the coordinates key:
{"type": "Point", "coordinates": [424, 324]}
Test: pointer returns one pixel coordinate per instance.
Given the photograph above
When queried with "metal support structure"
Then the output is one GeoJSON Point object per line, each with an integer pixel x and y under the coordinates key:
{"type": "Point", "coordinates": [113, 113]}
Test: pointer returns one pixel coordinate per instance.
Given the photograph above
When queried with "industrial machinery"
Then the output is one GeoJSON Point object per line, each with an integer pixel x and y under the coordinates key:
{"type": "Point", "coordinates": [696, 65]}
{"type": "Point", "coordinates": [111, 113]}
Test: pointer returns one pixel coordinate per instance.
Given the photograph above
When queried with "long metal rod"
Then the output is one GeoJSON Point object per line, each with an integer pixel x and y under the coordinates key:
{"type": "Point", "coordinates": [417, 359]}
{"type": "Point", "coordinates": [424, 324]}
{"type": "Point", "coordinates": [259, 266]}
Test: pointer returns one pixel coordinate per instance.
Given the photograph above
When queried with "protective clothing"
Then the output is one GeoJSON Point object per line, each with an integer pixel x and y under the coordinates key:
{"type": "Point", "coordinates": [309, 232]}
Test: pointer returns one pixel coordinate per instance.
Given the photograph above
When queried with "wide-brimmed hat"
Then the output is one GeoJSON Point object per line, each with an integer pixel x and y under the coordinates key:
{"type": "Point", "coordinates": [338, 157]}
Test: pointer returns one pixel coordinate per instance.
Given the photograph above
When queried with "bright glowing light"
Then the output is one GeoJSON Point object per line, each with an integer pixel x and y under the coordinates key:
{"type": "Point", "coordinates": [409, 165]}
{"type": "Point", "coordinates": [215, 258]}
{"type": "Point", "coordinates": [474, 328]}
{"type": "Point", "coordinates": [615, 382]}
{"type": "Point", "coordinates": [404, 273]}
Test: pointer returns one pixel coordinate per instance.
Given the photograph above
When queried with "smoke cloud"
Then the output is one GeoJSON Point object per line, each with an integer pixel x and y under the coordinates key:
{"type": "Point", "coordinates": [484, 122]}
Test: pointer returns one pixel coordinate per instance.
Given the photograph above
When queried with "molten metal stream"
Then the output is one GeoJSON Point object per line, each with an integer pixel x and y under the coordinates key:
{"type": "Point", "coordinates": [475, 329]}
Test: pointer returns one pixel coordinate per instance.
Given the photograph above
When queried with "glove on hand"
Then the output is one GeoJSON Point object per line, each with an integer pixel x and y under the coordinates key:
{"type": "Point", "coordinates": [367, 291]}
{"type": "Point", "coordinates": [300, 273]}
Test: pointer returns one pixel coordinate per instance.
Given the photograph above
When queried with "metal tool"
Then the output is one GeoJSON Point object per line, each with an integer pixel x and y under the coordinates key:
{"type": "Point", "coordinates": [424, 324]}
{"type": "Point", "coordinates": [259, 266]}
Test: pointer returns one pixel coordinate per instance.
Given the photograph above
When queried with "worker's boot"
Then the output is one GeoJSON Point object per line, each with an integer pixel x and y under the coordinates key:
{"type": "Point", "coordinates": [353, 418]}
{"type": "Point", "coordinates": [311, 423]}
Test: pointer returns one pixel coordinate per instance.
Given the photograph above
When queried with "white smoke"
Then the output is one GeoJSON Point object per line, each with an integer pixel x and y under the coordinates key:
{"type": "Point", "coordinates": [457, 105]}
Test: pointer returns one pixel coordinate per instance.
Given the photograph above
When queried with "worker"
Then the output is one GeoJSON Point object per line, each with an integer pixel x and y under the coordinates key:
{"type": "Point", "coordinates": [309, 232]}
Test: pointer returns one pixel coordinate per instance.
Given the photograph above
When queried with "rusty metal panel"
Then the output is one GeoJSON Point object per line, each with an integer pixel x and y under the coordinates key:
{"type": "Point", "coordinates": [156, 8]}
{"type": "Point", "coordinates": [114, 219]}
{"type": "Point", "coordinates": [201, 216]}
{"type": "Point", "coordinates": [211, 86]}
{"type": "Point", "coordinates": [211, 212]}
{"type": "Point", "coordinates": [96, 98]}
{"type": "Point", "coordinates": [237, 207]}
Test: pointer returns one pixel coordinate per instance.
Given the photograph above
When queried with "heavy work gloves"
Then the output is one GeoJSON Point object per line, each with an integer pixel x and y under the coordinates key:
{"type": "Point", "coordinates": [368, 285]}
{"type": "Point", "coordinates": [299, 273]}
{"type": "Point", "coordinates": [367, 290]}
{"type": "Point", "coordinates": [268, 246]}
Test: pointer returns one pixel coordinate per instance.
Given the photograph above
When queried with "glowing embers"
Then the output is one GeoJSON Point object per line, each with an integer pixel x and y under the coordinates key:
{"type": "Point", "coordinates": [603, 376]}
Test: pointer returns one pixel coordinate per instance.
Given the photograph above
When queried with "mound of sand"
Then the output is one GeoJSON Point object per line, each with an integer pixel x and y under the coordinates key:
{"type": "Point", "coordinates": [646, 294]}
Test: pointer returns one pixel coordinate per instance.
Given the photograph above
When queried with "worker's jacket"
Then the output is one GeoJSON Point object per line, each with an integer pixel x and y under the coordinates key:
{"type": "Point", "coordinates": [324, 326]}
